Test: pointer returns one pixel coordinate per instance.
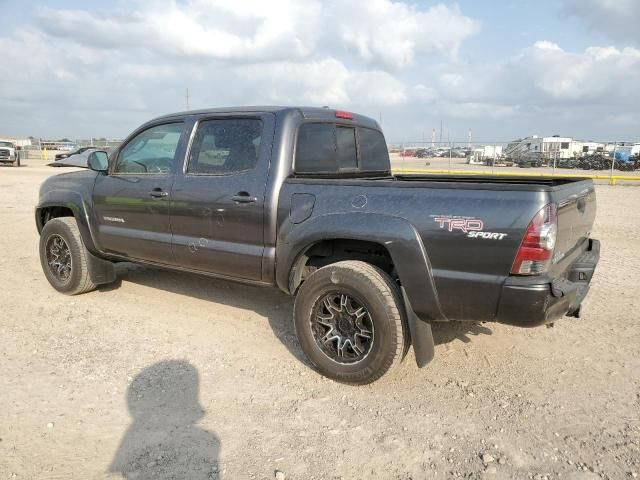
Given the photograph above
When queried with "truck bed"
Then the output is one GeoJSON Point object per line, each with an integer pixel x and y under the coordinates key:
{"type": "Point", "coordinates": [468, 271]}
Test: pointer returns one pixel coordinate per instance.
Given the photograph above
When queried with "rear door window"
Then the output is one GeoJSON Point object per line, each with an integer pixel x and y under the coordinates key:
{"type": "Point", "coordinates": [225, 146]}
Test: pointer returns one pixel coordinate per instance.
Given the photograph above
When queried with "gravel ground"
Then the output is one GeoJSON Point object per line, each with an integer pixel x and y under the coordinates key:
{"type": "Point", "coordinates": [170, 375]}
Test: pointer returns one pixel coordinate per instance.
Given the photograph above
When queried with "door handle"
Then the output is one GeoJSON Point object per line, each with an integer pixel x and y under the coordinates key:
{"type": "Point", "coordinates": [158, 193]}
{"type": "Point", "coordinates": [244, 197]}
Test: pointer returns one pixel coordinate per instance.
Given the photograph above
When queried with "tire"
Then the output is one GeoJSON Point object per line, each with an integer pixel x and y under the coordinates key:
{"type": "Point", "coordinates": [363, 359]}
{"type": "Point", "coordinates": [73, 279]}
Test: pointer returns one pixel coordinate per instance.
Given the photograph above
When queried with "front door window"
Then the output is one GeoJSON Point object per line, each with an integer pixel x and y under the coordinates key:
{"type": "Point", "coordinates": [150, 152]}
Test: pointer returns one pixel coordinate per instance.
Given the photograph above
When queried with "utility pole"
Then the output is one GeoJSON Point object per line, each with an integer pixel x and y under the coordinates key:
{"type": "Point", "coordinates": [440, 132]}
{"type": "Point", "coordinates": [433, 137]}
{"type": "Point", "coordinates": [187, 97]}
{"type": "Point", "coordinates": [469, 139]}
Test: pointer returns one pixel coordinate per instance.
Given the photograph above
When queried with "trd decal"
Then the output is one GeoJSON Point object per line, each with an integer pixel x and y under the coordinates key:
{"type": "Point", "coordinates": [464, 224]}
{"type": "Point", "coordinates": [473, 227]}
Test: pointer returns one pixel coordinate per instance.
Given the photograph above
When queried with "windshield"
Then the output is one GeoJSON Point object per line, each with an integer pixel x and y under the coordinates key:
{"type": "Point", "coordinates": [6, 144]}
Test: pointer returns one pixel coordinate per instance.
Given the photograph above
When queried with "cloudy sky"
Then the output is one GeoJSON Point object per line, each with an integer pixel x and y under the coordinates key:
{"type": "Point", "coordinates": [505, 69]}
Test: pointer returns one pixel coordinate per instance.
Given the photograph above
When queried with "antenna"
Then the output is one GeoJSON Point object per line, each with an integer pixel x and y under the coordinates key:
{"type": "Point", "coordinates": [187, 97]}
{"type": "Point", "coordinates": [440, 131]}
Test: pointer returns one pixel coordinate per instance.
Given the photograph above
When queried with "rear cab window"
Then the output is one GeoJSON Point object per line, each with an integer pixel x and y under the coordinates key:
{"type": "Point", "coordinates": [330, 148]}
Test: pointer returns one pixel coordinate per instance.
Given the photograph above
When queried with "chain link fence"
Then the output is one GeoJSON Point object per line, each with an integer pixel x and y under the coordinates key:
{"type": "Point", "coordinates": [549, 156]}
{"type": "Point", "coordinates": [45, 150]}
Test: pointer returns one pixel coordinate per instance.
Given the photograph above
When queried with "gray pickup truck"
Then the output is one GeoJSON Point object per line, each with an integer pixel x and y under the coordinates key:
{"type": "Point", "coordinates": [304, 199]}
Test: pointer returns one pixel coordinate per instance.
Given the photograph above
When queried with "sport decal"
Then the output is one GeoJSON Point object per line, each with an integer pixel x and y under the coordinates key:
{"type": "Point", "coordinates": [473, 227]}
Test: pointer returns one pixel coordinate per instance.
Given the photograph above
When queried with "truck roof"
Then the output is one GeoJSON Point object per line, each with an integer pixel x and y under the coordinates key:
{"type": "Point", "coordinates": [317, 113]}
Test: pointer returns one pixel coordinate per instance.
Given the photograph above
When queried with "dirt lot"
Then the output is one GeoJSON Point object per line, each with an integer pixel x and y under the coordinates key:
{"type": "Point", "coordinates": [169, 375]}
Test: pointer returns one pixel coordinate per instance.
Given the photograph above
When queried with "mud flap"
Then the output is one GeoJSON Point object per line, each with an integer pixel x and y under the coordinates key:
{"type": "Point", "coordinates": [421, 335]}
{"type": "Point", "coordinates": [100, 271]}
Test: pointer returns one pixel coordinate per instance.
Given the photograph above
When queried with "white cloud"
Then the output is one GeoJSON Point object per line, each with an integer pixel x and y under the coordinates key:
{"type": "Point", "coordinates": [617, 19]}
{"type": "Point", "coordinates": [241, 30]}
{"type": "Point", "coordinates": [140, 56]}
{"type": "Point", "coordinates": [320, 82]}
{"type": "Point", "coordinates": [545, 74]}
{"type": "Point", "coordinates": [77, 72]}
{"type": "Point", "coordinates": [393, 34]}
{"type": "Point", "coordinates": [255, 30]}
{"type": "Point", "coordinates": [607, 74]}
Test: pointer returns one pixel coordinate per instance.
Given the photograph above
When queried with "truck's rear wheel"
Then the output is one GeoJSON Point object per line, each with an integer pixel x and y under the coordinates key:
{"type": "Point", "coordinates": [64, 257]}
{"type": "Point", "coordinates": [350, 322]}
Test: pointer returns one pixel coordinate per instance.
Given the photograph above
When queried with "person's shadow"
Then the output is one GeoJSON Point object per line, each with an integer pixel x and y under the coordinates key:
{"type": "Point", "coordinates": [164, 441]}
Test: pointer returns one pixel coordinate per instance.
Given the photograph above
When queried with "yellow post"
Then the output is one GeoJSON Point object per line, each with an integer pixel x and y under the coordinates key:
{"type": "Point", "coordinates": [46, 156]}
{"type": "Point", "coordinates": [613, 181]}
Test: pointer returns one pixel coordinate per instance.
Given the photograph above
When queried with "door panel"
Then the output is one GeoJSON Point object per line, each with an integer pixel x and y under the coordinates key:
{"type": "Point", "coordinates": [131, 204]}
{"type": "Point", "coordinates": [217, 202]}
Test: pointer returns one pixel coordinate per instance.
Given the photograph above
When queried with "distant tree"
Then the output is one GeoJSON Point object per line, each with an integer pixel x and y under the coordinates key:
{"type": "Point", "coordinates": [64, 140]}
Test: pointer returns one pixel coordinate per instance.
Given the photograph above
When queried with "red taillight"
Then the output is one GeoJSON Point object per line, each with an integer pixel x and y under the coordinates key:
{"type": "Point", "coordinates": [345, 115]}
{"type": "Point", "coordinates": [536, 249]}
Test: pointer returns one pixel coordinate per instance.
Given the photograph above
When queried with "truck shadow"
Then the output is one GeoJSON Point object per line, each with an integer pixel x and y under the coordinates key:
{"type": "Point", "coordinates": [270, 303]}
{"type": "Point", "coordinates": [446, 332]}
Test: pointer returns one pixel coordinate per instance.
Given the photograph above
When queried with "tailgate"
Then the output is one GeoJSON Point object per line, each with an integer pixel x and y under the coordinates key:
{"type": "Point", "coordinates": [576, 214]}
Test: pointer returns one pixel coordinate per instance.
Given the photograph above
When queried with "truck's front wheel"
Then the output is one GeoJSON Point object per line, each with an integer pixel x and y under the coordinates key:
{"type": "Point", "coordinates": [64, 257]}
{"type": "Point", "coordinates": [350, 322]}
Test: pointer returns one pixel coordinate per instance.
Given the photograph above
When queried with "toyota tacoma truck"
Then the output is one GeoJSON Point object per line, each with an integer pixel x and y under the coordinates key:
{"type": "Point", "coordinates": [304, 199]}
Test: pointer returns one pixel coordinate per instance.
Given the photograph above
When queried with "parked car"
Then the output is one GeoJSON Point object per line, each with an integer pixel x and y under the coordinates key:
{"type": "Point", "coordinates": [79, 159]}
{"type": "Point", "coordinates": [529, 160]}
{"type": "Point", "coordinates": [9, 153]}
{"type": "Point", "coordinates": [303, 199]}
{"type": "Point", "coordinates": [60, 156]}
{"type": "Point", "coordinates": [408, 153]}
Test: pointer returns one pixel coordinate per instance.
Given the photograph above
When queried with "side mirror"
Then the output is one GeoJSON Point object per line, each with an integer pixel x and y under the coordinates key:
{"type": "Point", "coordinates": [98, 161]}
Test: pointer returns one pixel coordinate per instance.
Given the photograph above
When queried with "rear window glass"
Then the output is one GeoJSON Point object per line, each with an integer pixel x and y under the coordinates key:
{"type": "Point", "coordinates": [346, 148]}
{"type": "Point", "coordinates": [331, 148]}
{"type": "Point", "coordinates": [316, 148]}
{"type": "Point", "coordinates": [374, 155]}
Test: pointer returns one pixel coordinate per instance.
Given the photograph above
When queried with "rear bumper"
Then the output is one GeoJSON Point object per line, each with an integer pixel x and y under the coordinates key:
{"type": "Point", "coordinates": [530, 305]}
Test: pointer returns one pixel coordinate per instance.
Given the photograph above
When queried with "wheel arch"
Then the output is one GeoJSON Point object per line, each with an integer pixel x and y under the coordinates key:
{"type": "Point", "coordinates": [62, 203]}
{"type": "Point", "coordinates": [392, 238]}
